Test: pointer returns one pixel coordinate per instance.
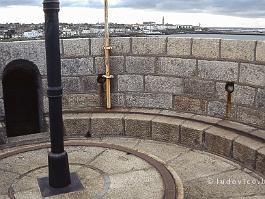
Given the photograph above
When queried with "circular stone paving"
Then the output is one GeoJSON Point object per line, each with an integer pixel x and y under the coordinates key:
{"type": "Point", "coordinates": [128, 168]}
{"type": "Point", "coordinates": [105, 171]}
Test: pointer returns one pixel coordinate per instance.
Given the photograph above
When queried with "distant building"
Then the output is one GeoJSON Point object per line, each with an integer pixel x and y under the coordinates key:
{"type": "Point", "coordinates": [32, 34]}
{"type": "Point", "coordinates": [149, 23]}
{"type": "Point", "coordinates": [68, 32]}
{"type": "Point", "coordinates": [163, 21]}
{"type": "Point", "coordinates": [186, 27]}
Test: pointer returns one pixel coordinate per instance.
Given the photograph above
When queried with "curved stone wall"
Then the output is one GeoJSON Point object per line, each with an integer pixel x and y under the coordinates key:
{"type": "Point", "coordinates": [180, 74]}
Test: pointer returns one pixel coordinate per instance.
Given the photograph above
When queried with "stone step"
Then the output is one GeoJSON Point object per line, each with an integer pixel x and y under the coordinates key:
{"type": "Point", "coordinates": [228, 139]}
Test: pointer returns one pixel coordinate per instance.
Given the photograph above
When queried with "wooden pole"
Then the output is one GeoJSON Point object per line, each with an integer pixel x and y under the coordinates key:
{"type": "Point", "coordinates": [107, 56]}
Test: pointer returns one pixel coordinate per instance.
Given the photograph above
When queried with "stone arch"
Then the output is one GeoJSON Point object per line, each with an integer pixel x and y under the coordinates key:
{"type": "Point", "coordinates": [23, 98]}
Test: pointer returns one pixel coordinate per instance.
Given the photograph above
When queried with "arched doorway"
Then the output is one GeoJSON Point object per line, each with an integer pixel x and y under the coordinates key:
{"type": "Point", "coordinates": [22, 90]}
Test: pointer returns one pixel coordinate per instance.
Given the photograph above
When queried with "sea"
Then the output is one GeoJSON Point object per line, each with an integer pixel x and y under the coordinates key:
{"type": "Point", "coordinates": [222, 36]}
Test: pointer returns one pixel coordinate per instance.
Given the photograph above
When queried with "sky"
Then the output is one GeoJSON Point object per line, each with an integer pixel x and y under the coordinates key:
{"type": "Point", "coordinates": [209, 13]}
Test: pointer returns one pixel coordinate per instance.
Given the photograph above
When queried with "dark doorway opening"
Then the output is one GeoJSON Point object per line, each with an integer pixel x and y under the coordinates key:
{"type": "Point", "coordinates": [21, 90]}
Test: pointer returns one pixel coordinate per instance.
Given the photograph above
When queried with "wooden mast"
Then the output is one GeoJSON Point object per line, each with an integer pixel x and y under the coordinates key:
{"type": "Point", "coordinates": [107, 56]}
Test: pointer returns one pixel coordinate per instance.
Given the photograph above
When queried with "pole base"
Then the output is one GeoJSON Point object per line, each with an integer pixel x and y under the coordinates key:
{"type": "Point", "coordinates": [59, 173]}
{"type": "Point", "coordinates": [47, 191]}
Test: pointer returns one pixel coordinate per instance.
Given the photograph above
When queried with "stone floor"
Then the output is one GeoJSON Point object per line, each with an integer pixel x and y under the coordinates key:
{"type": "Point", "coordinates": [112, 174]}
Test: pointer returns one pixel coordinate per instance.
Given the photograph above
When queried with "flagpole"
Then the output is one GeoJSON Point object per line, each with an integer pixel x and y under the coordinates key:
{"type": "Point", "coordinates": [107, 49]}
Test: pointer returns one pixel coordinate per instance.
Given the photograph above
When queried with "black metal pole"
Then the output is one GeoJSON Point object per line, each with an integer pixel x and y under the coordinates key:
{"type": "Point", "coordinates": [59, 173]}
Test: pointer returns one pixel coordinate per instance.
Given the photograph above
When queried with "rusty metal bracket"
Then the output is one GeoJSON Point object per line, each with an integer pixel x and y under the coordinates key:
{"type": "Point", "coordinates": [108, 77]}
{"type": "Point", "coordinates": [107, 47]}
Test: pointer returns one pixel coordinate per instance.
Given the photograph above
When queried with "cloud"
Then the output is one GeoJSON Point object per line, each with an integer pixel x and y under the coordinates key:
{"type": "Point", "coordinates": [242, 8]}
{"type": "Point", "coordinates": [64, 3]}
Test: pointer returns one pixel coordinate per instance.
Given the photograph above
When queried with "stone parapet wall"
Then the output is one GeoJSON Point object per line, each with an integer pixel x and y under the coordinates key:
{"type": "Point", "coordinates": [181, 74]}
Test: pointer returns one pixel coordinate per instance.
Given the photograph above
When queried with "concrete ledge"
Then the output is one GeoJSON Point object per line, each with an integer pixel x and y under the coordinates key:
{"type": "Point", "coordinates": [192, 134]}
{"type": "Point", "coordinates": [240, 143]}
{"type": "Point", "coordinates": [137, 125]}
{"type": "Point", "coordinates": [77, 125]}
{"type": "Point", "coordinates": [166, 129]}
{"type": "Point", "coordinates": [260, 161]}
{"type": "Point", "coordinates": [219, 141]}
{"type": "Point", "coordinates": [245, 150]}
{"type": "Point", "coordinates": [107, 124]}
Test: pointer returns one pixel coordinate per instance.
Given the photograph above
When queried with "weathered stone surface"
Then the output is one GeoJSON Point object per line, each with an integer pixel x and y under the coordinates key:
{"type": "Point", "coordinates": [189, 104]}
{"type": "Point", "coordinates": [118, 99]}
{"type": "Point", "coordinates": [3, 137]}
{"type": "Point", "coordinates": [71, 84]}
{"type": "Point", "coordinates": [260, 52]}
{"type": "Point", "coordinates": [235, 125]}
{"type": "Point", "coordinates": [176, 66]}
{"type": "Point", "coordinates": [164, 151]}
{"type": "Point", "coordinates": [199, 88]}
{"type": "Point", "coordinates": [194, 165]}
{"type": "Point", "coordinates": [5, 55]}
{"type": "Point", "coordinates": [80, 101]}
{"type": "Point", "coordinates": [207, 119]}
{"type": "Point", "coordinates": [244, 150]}
{"type": "Point", "coordinates": [144, 110]}
{"type": "Point", "coordinates": [219, 141]}
{"type": "Point", "coordinates": [89, 83]}
{"type": "Point", "coordinates": [107, 124]}
{"type": "Point", "coordinates": [252, 74]}
{"type": "Point", "coordinates": [251, 116]}
{"type": "Point", "coordinates": [114, 84]}
{"type": "Point", "coordinates": [123, 163]}
{"type": "Point", "coordinates": [33, 51]}
{"type": "Point", "coordinates": [45, 104]}
{"type": "Point", "coordinates": [7, 179]}
{"type": "Point", "coordinates": [206, 48]}
{"type": "Point", "coordinates": [97, 45]}
{"type": "Point", "coordinates": [121, 141]}
{"type": "Point", "coordinates": [130, 83]}
{"type": "Point", "coordinates": [176, 114]}
{"type": "Point", "coordinates": [163, 84]}
{"type": "Point", "coordinates": [166, 129]}
{"type": "Point", "coordinates": [260, 162]}
{"type": "Point", "coordinates": [140, 65]}
{"type": "Point", "coordinates": [218, 70]}
{"type": "Point", "coordinates": [78, 124]}
{"type": "Point", "coordinates": [230, 184]}
{"type": "Point", "coordinates": [191, 134]}
{"type": "Point", "coordinates": [36, 53]}
{"type": "Point", "coordinates": [76, 47]}
{"type": "Point", "coordinates": [116, 65]}
{"type": "Point", "coordinates": [120, 46]}
{"type": "Point", "coordinates": [148, 45]}
{"type": "Point", "coordinates": [179, 46]}
{"type": "Point", "coordinates": [142, 184]}
{"type": "Point", "coordinates": [16, 164]}
{"type": "Point", "coordinates": [258, 133]}
{"type": "Point", "coordinates": [216, 109]}
{"type": "Point", "coordinates": [2, 108]}
{"type": "Point", "coordinates": [146, 100]}
{"type": "Point", "coordinates": [82, 66]}
{"type": "Point", "coordinates": [137, 125]}
{"type": "Point", "coordinates": [260, 102]}
{"type": "Point", "coordinates": [242, 94]}
{"type": "Point", "coordinates": [1, 89]}
{"type": "Point", "coordinates": [237, 50]}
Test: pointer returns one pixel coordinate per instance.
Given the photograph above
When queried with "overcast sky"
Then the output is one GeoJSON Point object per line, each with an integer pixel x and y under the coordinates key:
{"type": "Point", "coordinates": [244, 13]}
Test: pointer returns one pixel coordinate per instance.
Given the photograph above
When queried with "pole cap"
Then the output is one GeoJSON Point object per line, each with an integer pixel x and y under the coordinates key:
{"type": "Point", "coordinates": [51, 5]}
